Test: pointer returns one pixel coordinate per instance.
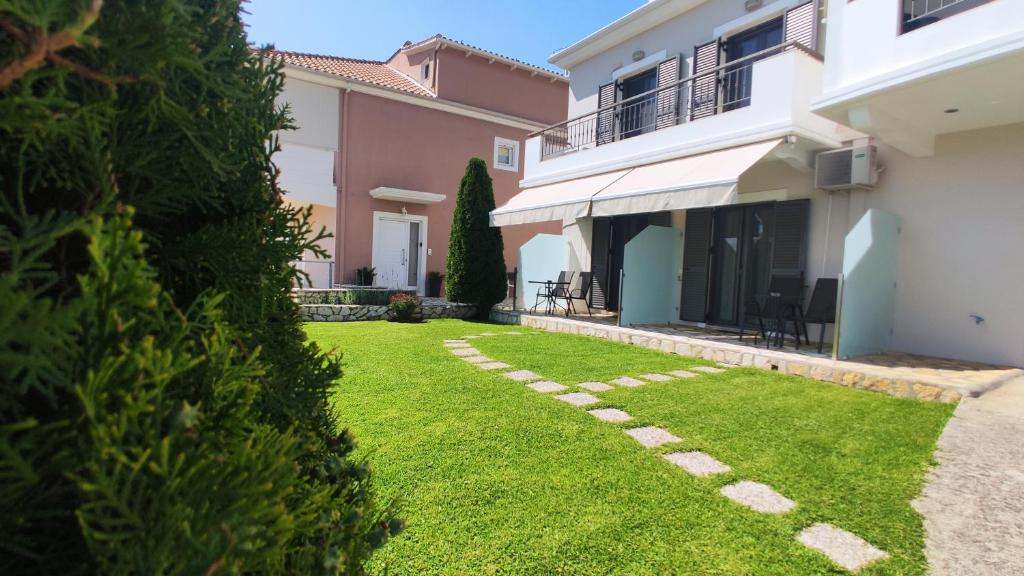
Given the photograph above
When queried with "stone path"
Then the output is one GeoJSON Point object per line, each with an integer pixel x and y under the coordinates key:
{"type": "Point", "coordinates": [758, 496]}
{"type": "Point", "coordinates": [973, 501]}
{"type": "Point", "coordinates": [843, 548]}
{"type": "Point", "coordinates": [697, 463]}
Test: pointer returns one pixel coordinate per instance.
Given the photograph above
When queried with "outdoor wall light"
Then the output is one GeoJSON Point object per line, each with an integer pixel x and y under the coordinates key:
{"type": "Point", "coordinates": [951, 110]}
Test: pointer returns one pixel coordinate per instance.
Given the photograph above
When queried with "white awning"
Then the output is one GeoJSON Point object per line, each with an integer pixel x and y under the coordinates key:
{"type": "Point", "coordinates": [569, 199]}
{"type": "Point", "coordinates": [692, 182]}
{"type": "Point", "coordinates": [411, 196]}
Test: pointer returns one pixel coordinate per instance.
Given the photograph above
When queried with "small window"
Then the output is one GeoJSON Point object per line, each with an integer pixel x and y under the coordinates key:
{"type": "Point", "coordinates": [506, 154]}
{"type": "Point", "coordinates": [425, 70]}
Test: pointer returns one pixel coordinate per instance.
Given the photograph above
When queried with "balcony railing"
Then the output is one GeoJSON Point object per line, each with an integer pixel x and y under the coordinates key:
{"type": "Point", "coordinates": [726, 87]}
{"type": "Point", "coordinates": [920, 13]}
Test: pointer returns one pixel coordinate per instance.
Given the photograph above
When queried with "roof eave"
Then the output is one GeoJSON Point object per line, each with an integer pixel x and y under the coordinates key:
{"type": "Point", "coordinates": [636, 22]}
{"type": "Point", "coordinates": [442, 42]}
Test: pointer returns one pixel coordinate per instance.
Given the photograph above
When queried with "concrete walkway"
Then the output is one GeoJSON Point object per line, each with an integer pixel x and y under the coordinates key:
{"type": "Point", "coordinates": [973, 501]}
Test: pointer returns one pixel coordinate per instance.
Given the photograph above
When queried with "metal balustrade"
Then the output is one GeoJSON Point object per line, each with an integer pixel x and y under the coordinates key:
{"type": "Point", "coordinates": [724, 88]}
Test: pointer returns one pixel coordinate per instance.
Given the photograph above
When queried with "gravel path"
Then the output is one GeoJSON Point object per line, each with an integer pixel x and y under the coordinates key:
{"type": "Point", "coordinates": [973, 501]}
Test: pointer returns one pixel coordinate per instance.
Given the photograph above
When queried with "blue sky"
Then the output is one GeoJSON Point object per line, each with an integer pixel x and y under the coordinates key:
{"type": "Point", "coordinates": [373, 29]}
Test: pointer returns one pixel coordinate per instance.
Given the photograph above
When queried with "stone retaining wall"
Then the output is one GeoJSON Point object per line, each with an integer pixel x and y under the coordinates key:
{"type": "Point", "coordinates": [845, 373]}
{"type": "Point", "coordinates": [357, 312]}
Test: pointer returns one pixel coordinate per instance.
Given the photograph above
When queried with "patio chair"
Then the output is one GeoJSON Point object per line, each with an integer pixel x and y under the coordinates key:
{"type": "Point", "coordinates": [579, 291]}
{"type": "Point", "coordinates": [549, 293]}
{"type": "Point", "coordinates": [822, 307]}
{"type": "Point", "coordinates": [777, 309]}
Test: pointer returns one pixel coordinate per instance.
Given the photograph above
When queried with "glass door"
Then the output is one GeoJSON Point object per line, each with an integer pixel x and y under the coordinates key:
{"type": "Point", "coordinates": [725, 266]}
{"type": "Point", "coordinates": [637, 117]}
{"type": "Point", "coordinates": [737, 80]}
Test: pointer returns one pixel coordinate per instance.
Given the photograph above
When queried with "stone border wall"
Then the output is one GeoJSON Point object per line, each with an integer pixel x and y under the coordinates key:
{"type": "Point", "coordinates": [844, 373]}
{"type": "Point", "coordinates": [358, 312]}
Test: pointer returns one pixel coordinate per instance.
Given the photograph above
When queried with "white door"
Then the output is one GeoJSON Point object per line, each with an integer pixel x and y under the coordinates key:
{"type": "Point", "coordinates": [397, 253]}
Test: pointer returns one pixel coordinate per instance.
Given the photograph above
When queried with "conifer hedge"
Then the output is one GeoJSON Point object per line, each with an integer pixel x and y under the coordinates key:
{"type": "Point", "coordinates": [160, 408]}
{"type": "Point", "coordinates": [476, 261]}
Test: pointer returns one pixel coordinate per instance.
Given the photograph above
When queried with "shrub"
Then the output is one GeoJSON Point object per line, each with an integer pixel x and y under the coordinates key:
{"type": "Point", "coordinates": [476, 264]}
{"type": "Point", "coordinates": [365, 276]}
{"type": "Point", "coordinates": [405, 308]}
{"type": "Point", "coordinates": [161, 409]}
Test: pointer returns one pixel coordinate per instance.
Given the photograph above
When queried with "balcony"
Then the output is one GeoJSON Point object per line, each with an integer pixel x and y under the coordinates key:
{"type": "Point", "coordinates": [920, 13]}
{"type": "Point", "coordinates": [764, 95]}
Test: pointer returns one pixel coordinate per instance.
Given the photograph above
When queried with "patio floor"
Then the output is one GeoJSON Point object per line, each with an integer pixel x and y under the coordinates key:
{"type": "Point", "coordinates": [896, 373]}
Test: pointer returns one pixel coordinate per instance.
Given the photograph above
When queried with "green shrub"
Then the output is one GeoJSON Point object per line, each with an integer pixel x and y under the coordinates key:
{"type": "Point", "coordinates": [161, 409]}
{"type": "Point", "coordinates": [476, 263]}
{"type": "Point", "coordinates": [405, 308]}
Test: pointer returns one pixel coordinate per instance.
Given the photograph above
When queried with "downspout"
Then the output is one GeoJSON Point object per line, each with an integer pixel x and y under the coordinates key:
{"type": "Point", "coordinates": [342, 216]}
{"type": "Point", "coordinates": [433, 79]}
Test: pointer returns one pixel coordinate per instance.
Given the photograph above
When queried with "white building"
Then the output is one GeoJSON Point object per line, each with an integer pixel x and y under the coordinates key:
{"type": "Point", "coordinates": [685, 176]}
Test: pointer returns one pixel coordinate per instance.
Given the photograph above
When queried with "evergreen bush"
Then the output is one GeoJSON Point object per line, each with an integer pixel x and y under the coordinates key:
{"type": "Point", "coordinates": [160, 408]}
{"type": "Point", "coordinates": [476, 263]}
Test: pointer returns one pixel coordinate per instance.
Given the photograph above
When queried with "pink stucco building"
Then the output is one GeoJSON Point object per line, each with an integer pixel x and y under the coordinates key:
{"type": "Point", "coordinates": [380, 147]}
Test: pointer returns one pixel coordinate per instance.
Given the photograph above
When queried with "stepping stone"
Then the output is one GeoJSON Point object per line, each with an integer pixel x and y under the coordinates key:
{"type": "Point", "coordinates": [470, 337]}
{"type": "Point", "coordinates": [594, 386]}
{"type": "Point", "coordinates": [488, 333]}
{"type": "Point", "coordinates": [579, 398]}
{"type": "Point", "coordinates": [492, 365]}
{"type": "Point", "coordinates": [628, 382]}
{"type": "Point", "coordinates": [610, 415]}
{"type": "Point", "coordinates": [656, 377]}
{"type": "Point", "coordinates": [697, 463]}
{"type": "Point", "coordinates": [846, 549]}
{"type": "Point", "coordinates": [476, 359]}
{"type": "Point", "coordinates": [512, 333]}
{"type": "Point", "coordinates": [545, 386]}
{"type": "Point", "coordinates": [651, 436]}
{"type": "Point", "coordinates": [456, 344]}
{"type": "Point", "coordinates": [522, 375]}
{"type": "Point", "coordinates": [682, 374]}
{"type": "Point", "coordinates": [757, 496]}
{"type": "Point", "coordinates": [708, 369]}
{"type": "Point", "coordinates": [465, 351]}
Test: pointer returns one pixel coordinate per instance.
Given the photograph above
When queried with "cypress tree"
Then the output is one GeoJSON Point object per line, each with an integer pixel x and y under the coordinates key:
{"type": "Point", "coordinates": [160, 408]}
{"type": "Point", "coordinates": [476, 263]}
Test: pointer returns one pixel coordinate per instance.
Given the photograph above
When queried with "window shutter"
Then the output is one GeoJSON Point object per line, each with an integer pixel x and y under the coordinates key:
{"type": "Point", "coordinates": [789, 246]}
{"type": "Point", "coordinates": [668, 98]}
{"type": "Point", "coordinates": [696, 264]}
{"type": "Point", "coordinates": [704, 97]}
{"type": "Point", "coordinates": [800, 24]}
{"type": "Point", "coordinates": [599, 247]}
{"type": "Point", "coordinates": [606, 96]}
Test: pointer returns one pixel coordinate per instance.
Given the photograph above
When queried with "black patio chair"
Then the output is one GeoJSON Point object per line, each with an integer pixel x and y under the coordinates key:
{"type": "Point", "coordinates": [579, 291]}
{"type": "Point", "coordinates": [550, 292]}
{"type": "Point", "coordinates": [778, 309]}
{"type": "Point", "coordinates": [822, 307]}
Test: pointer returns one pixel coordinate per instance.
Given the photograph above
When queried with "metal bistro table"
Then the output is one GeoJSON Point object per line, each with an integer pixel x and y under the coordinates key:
{"type": "Point", "coordinates": [550, 295]}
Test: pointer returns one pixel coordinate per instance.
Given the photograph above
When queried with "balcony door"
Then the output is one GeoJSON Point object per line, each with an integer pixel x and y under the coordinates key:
{"type": "Point", "coordinates": [737, 79]}
{"type": "Point", "coordinates": [637, 117]}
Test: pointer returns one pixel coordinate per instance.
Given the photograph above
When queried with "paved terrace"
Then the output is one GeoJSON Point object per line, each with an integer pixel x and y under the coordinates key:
{"type": "Point", "coordinates": [898, 374]}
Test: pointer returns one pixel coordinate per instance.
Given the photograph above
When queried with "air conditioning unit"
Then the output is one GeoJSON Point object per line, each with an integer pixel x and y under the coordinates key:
{"type": "Point", "coordinates": [846, 168]}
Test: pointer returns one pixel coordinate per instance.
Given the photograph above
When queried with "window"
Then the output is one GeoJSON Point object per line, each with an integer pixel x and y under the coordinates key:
{"type": "Point", "coordinates": [506, 154]}
{"type": "Point", "coordinates": [425, 70]}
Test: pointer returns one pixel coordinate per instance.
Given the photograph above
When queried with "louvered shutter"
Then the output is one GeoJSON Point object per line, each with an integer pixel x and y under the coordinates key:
{"type": "Point", "coordinates": [668, 96]}
{"type": "Point", "coordinates": [606, 96]}
{"type": "Point", "coordinates": [599, 246]}
{"type": "Point", "coordinates": [704, 96]}
{"type": "Point", "coordinates": [696, 263]}
{"type": "Point", "coordinates": [800, 24]}
{"type": "Point", "coordinates": [789, 246]}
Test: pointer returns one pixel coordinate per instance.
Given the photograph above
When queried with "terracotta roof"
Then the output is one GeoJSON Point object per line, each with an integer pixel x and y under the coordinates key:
{"type": "Point", "coordinates": [368, 71]}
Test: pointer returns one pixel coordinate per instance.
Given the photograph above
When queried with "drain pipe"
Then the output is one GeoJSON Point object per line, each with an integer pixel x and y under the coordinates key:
{"type": "Point", "coordinates": [828, 232]}
{"type": "Point", "coordinates": [622, 283]}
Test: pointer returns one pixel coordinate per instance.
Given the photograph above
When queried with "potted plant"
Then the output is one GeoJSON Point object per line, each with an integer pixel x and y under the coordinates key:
{"type": "Point", "coordinates": [434, 280]}
{"type": "Point", "coordinates": [365, 275]}
{"type": "Point", "coordinates": [405, 307]}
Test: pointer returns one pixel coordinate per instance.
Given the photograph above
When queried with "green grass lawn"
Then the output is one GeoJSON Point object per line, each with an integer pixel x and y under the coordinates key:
{"type": "Point", "coordinates": [494, 478]}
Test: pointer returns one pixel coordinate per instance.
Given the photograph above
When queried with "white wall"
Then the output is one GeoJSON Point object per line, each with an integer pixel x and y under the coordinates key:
{"type": "Point", "coordinates": [315, 110]}
{"type": "Point", "coordinates": [863, 41]}
{"type": "Point", "coordinates": [961, 244]}
{"type": "Point", "coordinates": [307, 174]}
